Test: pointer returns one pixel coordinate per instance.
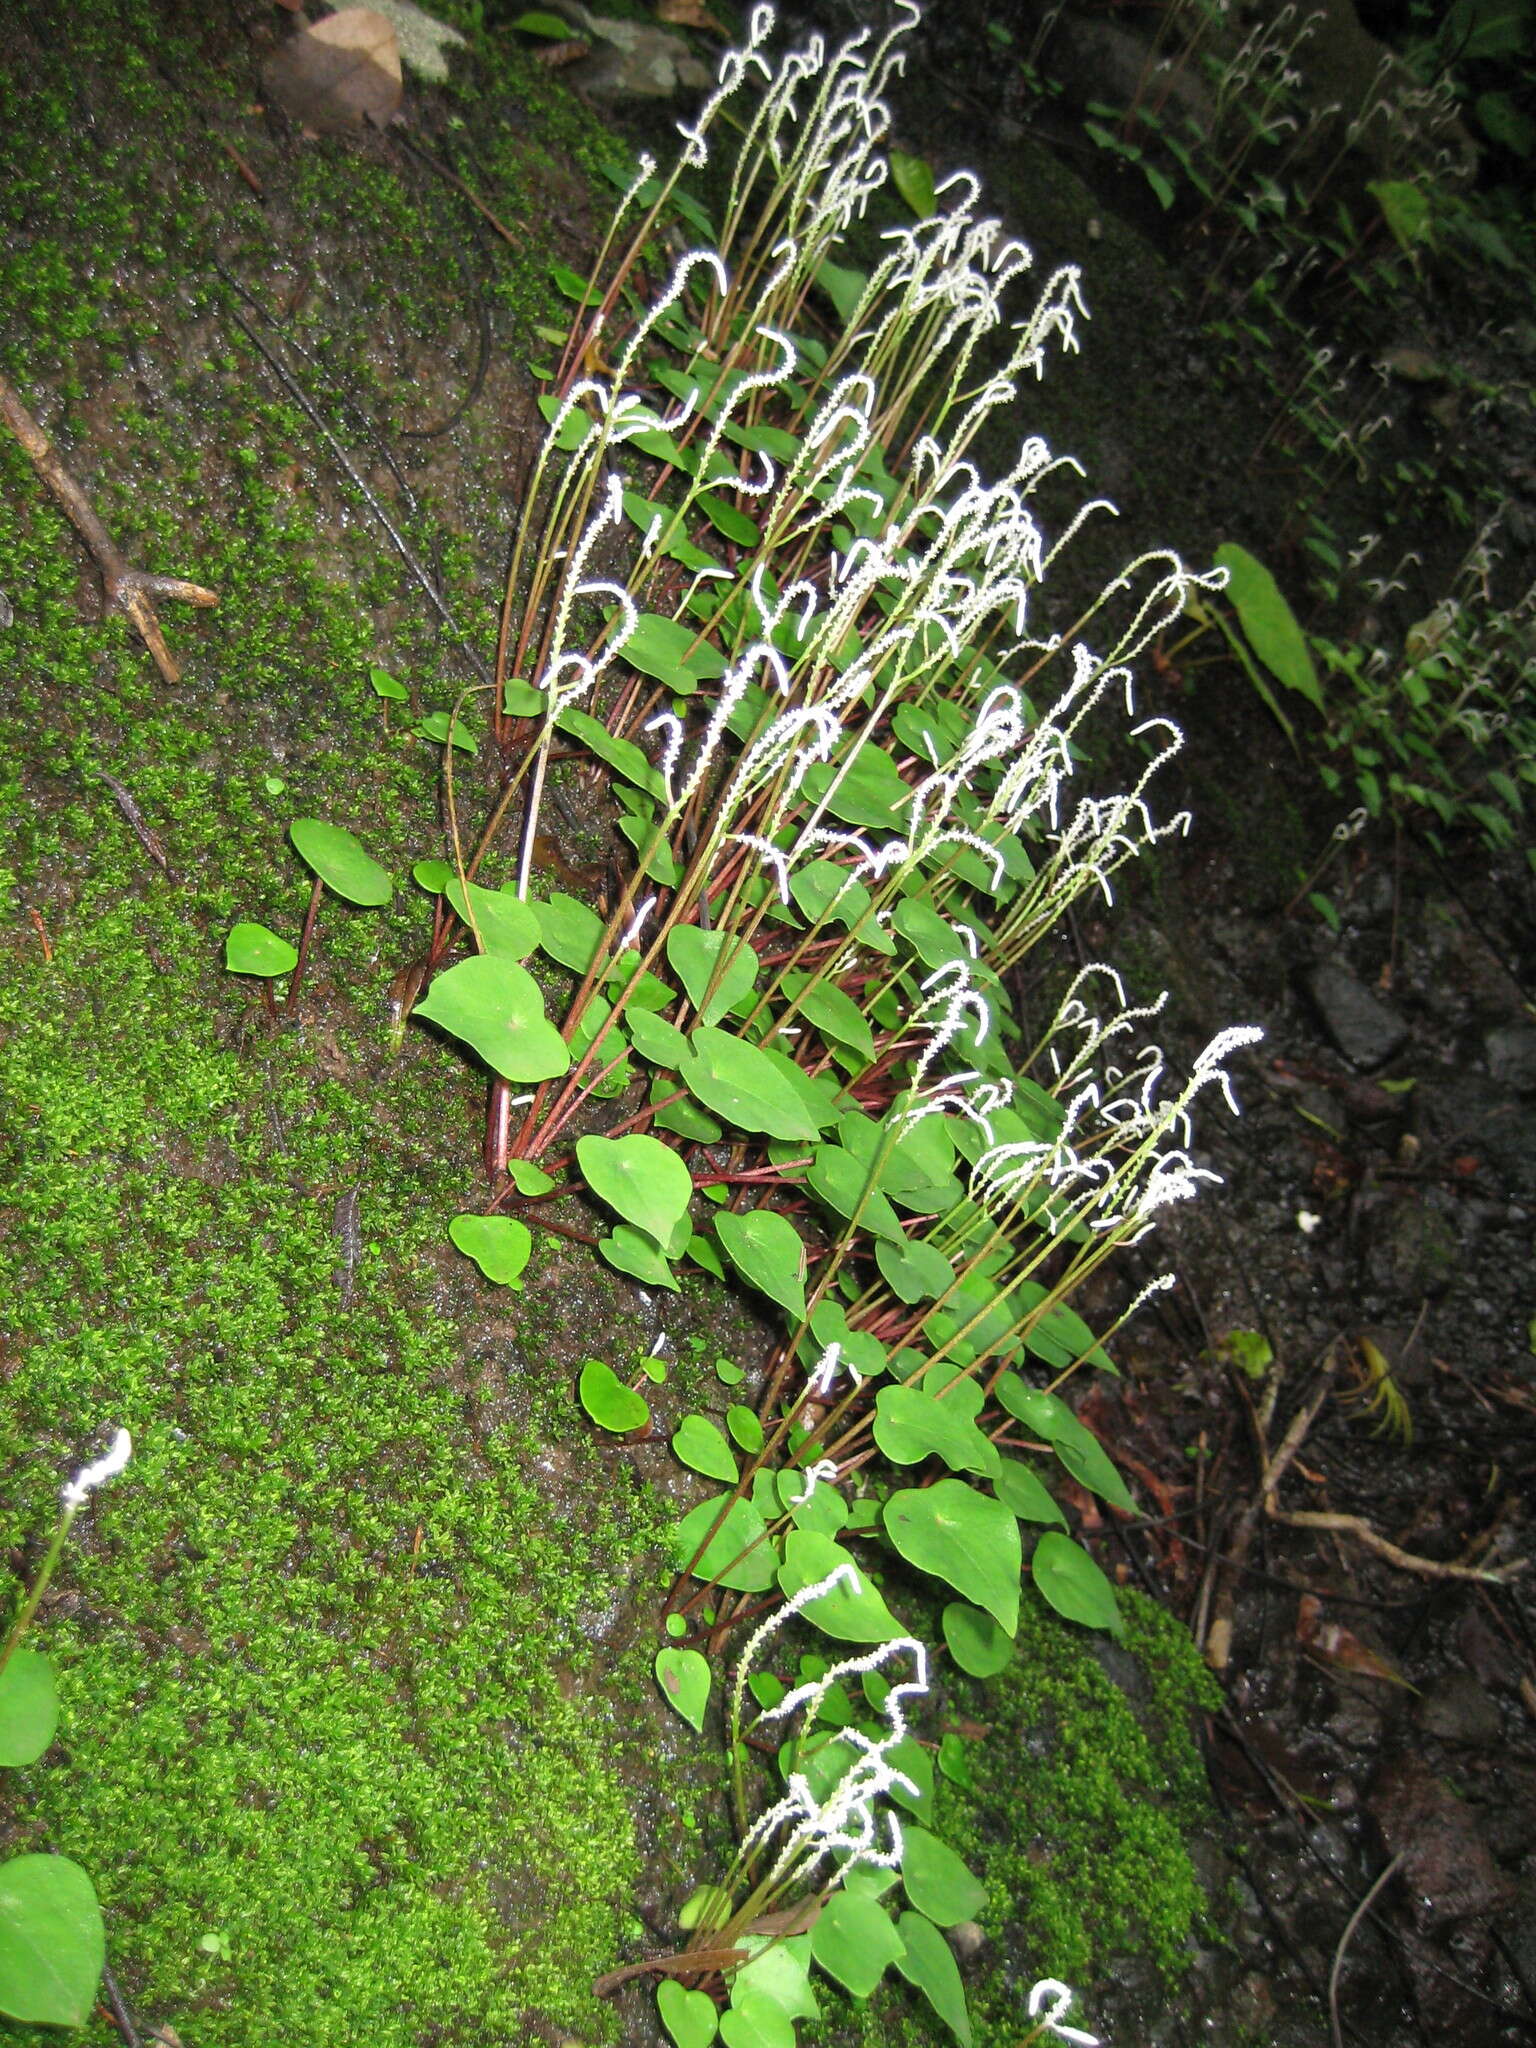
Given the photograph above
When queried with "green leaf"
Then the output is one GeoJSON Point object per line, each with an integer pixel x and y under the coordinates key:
{"type": "Point", "coordinates": [507, 926]}
{"type": "Point", "coordinates": [621, 755]}
{"type": "Point", "coordinates": [841, 1180]}
{"type": "Point", "coordinates": [529, 1179]}
{"type": "Point", "coordinates": [683, 1676]}
{"type": "Point", "coordinates": [52, 1942]}
{"type": "Point", "coordinates": [853, 1614]}
{"type": "Point", "coordinates": [688, 2016]}
{"type": "Point", "coordinates": [822, 889]}
{"type": "Point", "coordinates": [499, 1246]}
{"type": "Point", "coordinates": [498, 1008]}
{"type": "Point", "coordinates": [608, 1401]}
{"type": "Point", "coordinates": [537, 23]}
{"type": "Point", "coordinates": [1407, 211]}
{"type": "Point", "coordinates": [963, 1537]}
{"type": "Point", "coordinates": [843, 287]}
{"type": "Point", "coordinates": [742, 1529]}
{"type": "Point", "coordinates": [574, 426]}
{"type": "Point", "coordinates": [867, 790]}
{"type": "Point", "coordinates": [854, 1941]}
{"type": "Point", "coordinates": [769, 1254]}
{"type": "Point", "coordinates": [913, 178]}
{"type": "Point", "coordinates": [913, 1270]}
{"type": "Point", "coordinates": [1072, 1583]}
{"type": "Point", "coordinates": [835, 1014]}
{"type": "Point", "coordinates": [564, 279]}
{"type": "Point", "coordinates": [340, 862]}
{"type": "Point", "coordinates": [1076, 1446]}
{"type": "Point", "coordinates": [1269, 622]}
{"type": "Point", "coordinates": [739, 1083]}
{"type": "Point", "coordinates": [654, 1038]}
{"type": "Point", "coordinates": [975, 1641]}
{"type": "Point", "coordinates": [434, 727]}
{"type": "Point", "coordinates": [1025, 1494]}
{"type": "Point", "coordinates": [640, 1178]}
{"type": "Point", "coordinates": [637, 1253]}
{"type": "Point", "coordinates": [385, 685]}
{"type": "Point", "coordinates": [700, 1445]}
{"type": "Point", "coordinates": [910, 1425]}
{"type": "Point", "coordinates": [667, 650]}
{"type": "Point", "coordinates": [726, 519]}
{"type": "Point", "coordinates": [741, 1421]}
{"type": "Point", "coordinates": [780, 1971]}
{"type": "Point", "coordinates": [936, 1882]}
{"type": "Point", "coordinates": [752, 2020]}
{"type": "Point", "coordinates": [569, 931]}
{"type": "Point", "coordinates": [29, 1708]}
{"type": "Point", "coordinates": [252, 949]}
{"type": "Point", "coordinates": [928, 1964]}
{"type": "Point", "coordinates": [695, 957]}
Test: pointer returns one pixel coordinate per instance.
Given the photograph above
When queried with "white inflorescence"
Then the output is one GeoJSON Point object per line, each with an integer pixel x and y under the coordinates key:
{"type": "Point", "coordinates": [84, 1484]}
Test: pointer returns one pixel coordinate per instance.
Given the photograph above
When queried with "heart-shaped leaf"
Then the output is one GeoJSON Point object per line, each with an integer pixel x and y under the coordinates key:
{"type": "Point", "coordinates": [655, 1039]}
{"type": "Point", "coordinates": [740, 1083]}
{"type": "Point", "coordinates": [499, 1246]}
{"type": "Point", "coordinates": [498, 1008]}
{"type": "Point", "coordinates": [337, 857]}
{"type": "Point", "coordinates": [752, 2020]}
{"type": "Point", "coordinates": [700, 958]}
{"type": "Point", "coordinates": [639, 1177]}
{"type": "Point", "coordinates": [1021, 1490]}
{"type": "Point", "coordinates": [688, 2016]}
{"type": "Point", "coordinates": [569, 932]}
{"type": "Point", "coordinates": [913, 1270]}
{"type": "Point", "coordinates": [741, 1532]}
{"type": "Point", "coordinates": [702, 1448]}
{"type": "Point", "coordinates": [853, 1614]}
{"type": "Point", "coordinates": [928, 1964]}
{"type": "Point", "coordinates": [608, 1401]}
{"type": "Point", "coordinates": [975, 1641]}
{"type": "Point", "coordinates": [911, 1425]}
{"type": "Point", "coordinates": [637, 1253]}
{"type": "Point", "coordinates": [769, 1254]}
{"type": "Point", "coordinates": [506, 924]}
{"type": "Point", "coordinates": [1073, 1584]}
{"type": "Point", "coordinates": [52, 1942]}
{"type": "Point", "coordinates": [684, 1678]}
{"type": "Point", "coordinates": [836, 1015]}
{"type": "Point", "coordinates": [29, 1708]}
{"type": "Point", "coordinates": [854, 1941]}
{"type": "Point", "coordinates": [936, 1881]}
{"type": "Point", "coordinates": [252, 949]}
{"type": "Point", "coordinates": [963, 1537]}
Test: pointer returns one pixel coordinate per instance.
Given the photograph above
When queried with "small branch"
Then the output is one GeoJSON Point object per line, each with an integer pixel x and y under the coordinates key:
{"type": "Point", "coordinates": [1348, 1936]}
{"type": "Point", "coordinates": [1405, 1560]}
{"type": "Point", "coordinates": [126, 589]}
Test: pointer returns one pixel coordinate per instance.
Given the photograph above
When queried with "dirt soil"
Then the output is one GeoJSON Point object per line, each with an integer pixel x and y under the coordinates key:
{"type": "Point", "coordinates": [1361, 1290]}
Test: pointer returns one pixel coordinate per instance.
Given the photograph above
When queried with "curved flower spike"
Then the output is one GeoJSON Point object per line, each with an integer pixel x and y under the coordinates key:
{"type": "Point", "coordinates": [85, 1483]}
{"type": "Point", "coordinates": [1051, 1993]}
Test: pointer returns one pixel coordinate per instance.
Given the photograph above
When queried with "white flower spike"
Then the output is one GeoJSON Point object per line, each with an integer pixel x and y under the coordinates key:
{"type": "Point", "coordinates": [106, 1467]}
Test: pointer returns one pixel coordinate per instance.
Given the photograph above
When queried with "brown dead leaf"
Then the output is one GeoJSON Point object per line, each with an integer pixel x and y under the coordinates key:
{"type": "Point", "coordinates": [1334, 1643]}
{"type": "Point", "coordinates": [555, 56]}
{"type": "Point", "coordinates": [690, 14]}
{"type": "Point", "coordinates": [339, 73]}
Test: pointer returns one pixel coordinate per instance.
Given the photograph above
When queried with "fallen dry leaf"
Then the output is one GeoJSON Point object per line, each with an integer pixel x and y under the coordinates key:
{"type": "Point", "coordinates": [690, 14]}
{"type": "Point", "coordinates": [555, 56]}
{"type": "Point", "coordinates": [1327, 1639]}
{"type": "Point", "coordinates": [340, 72]}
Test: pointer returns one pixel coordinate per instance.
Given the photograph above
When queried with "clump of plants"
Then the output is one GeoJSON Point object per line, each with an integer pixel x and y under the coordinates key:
{"type": "Point", "coordinates": [762, 588]}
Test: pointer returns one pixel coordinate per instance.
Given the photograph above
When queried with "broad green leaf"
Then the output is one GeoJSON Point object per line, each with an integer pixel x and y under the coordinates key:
{"type": "Point", "coordinates": [752, 2020]}
{"type": "Point", "coordinates": [963, 1537]}
{"type": "Point", "coordinates": [1072, 1583]}
{"type": "Point", "coordinates": [654, 1038]}
{"type": "Point", "coordinates": [498, 1008]}
{"type": "Point", "coordinates": [928, 1964]}
{"type": "Point", "coordinates": [499, 1246]}
{"type": "Point", "coordinates": [843, 287]}
{"type": "Point", "coordinates": [913, 1270]}
{"type": "Point", "coordinates": [700, 1445]}
{"type": "Point", "coordinates": [688, 2016]}
{"type": "Point", "coordinates": [608, 1401]}
{"type": "Point", "coordinates": [1268, 622]}
{"type": "Point", "coordinates": [537, 23]}
{"type": "Point", "coordinates": [641, 1179]}
{"type": "Point", "coordinates": [841, 1180]}
{"type": "Point", "coordinates": [695, 957]}
{"type": "Point", "coordinates": [820, 1509]}
{"type": "Point", "coordinates": [506, 925]}
{"type": "Point", "coordinates": [743, 1424]}
{"type": "Point", "coordinates": [522, 700]}
{"type": "Point", "coordinates": [975, 1641]}
{"type": "Point", "coordinates": [854, 1941]}
{"type": "Point", "coordinates": [816, 1093]}
{"type": "Point", "coordinates": [252, 949]}
{"type": "Point", "coordinates": [741, 1532]}
{"type": "Point", "coordinates": [682, 1114]}
{"type": "Point", "coordinates": [667, 650]}
{"type": "Point", "coordinates": [867, 790]}
{"type": "Point", "coordinates": [435, 727]}
{"type": "Point", "coordinates": [1025, 1494]}
{"type": "Point", "coordinates": [779, 1970]}
{"type": "Point", "coordinates": [823, 889]}
{"type": "Point", "coordinates": [52, 1942]}
{"type": "Point", "coordinates": [910, 1425]}
{"type": "Point", "coordinates": [384, 685]}
{"type": "Point", "coordinates": [1407, 210]}
{"type": "Point", "coordinates": [575, 425]}
{"type": "Point", "coordinates": [683, 1676]}
{"type": "Point", "coordinates": [853, 1614]}
{"type": "Point", "coordinates": [1076, 1445]}
{"type": "Point", "coordinates": [933, 938]}
{"type": "Point", "coordinates": [340, 862]}
{"type": "Point", "coordinates": [562, 276]}
{"type": "Point", "coordinates": [936, 1882]}
{"type": "Point", "coordinates": [569, 931]}
{"type": "Point", "coordinates": [726, 519]}
{"type": "Point", "coordinates": [621, 755]}
{"type": "Point", "coordinates": [739, 1083]}
{"type": "Point", "coordinates": [913, 178]}
{"type": "Point", "coordinates": [769, 1254]}
{"type": "Point", "coordinates": [637, 1253]}
{"type": "Point", "coordinates": [29, 1708]}
{"type": "Point", "coordinates": [836, 1015]}
{"type": "Point", "coordinates": [529, 1179]}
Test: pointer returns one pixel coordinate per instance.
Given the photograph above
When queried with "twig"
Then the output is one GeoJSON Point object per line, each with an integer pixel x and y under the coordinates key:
{"type": "Point", "coordinates": [1348, 1936]}
{"type": "Point", "coordinates": [121, 2018]}
{"type": "Point", "coordinates": [125, 588]}
{"type": "Point", "coordinates": [150, 841]}
{"type": "Point", "coordinates": [1405, 1560]}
